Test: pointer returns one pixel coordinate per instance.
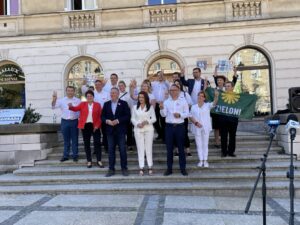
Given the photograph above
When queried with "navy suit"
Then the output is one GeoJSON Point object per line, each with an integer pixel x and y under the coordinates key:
{"type": "Point", "coordinates": [190, 84]}
{"type": "Point", "coordinates": [116, 134]}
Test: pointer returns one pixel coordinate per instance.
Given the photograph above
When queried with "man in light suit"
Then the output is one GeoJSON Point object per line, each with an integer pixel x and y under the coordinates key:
{"type": "Point", "coordinates": [116, 116]}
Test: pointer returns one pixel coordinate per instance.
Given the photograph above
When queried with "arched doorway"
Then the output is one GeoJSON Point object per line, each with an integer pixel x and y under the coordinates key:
{"type": "Point", "coordinates": [253, 68]}
{"type": "Point", "coordinates": [166, 64]}
{"type": "Point", "coordinates": [12, 86]}
{"type": "Point", "coordinates": [83, 69]}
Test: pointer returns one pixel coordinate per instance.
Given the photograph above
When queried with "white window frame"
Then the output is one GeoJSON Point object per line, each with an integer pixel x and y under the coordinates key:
{"type": "Point", "coordinates": [68, 4]}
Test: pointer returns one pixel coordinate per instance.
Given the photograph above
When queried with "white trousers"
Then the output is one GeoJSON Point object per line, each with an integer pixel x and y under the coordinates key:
{"type": "Point", "coordinates": [202, 145]}
{"type": "Point", "coordinates": [144, 142]}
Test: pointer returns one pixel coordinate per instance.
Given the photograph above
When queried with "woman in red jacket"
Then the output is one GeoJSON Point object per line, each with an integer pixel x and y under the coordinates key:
{"type": "Point", "coordinates": [90, 124]}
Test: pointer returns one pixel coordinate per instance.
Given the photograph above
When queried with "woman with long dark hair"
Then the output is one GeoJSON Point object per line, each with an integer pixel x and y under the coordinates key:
{"type": "Point", "coordinates": [142, 118]}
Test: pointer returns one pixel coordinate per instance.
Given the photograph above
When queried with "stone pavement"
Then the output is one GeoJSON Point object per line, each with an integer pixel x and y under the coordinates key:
{"type": "Point", "coordinates": [139, 210]}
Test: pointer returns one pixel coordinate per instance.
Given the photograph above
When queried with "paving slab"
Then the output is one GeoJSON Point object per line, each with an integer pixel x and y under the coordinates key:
{"type": "Point", "coordinates": [78, 218]}
{"type": "Point", "coordinates": [96, 201]}
{"type": "Point", "coordinates": [5, 214]}
{"type": "Point", "coordinates": [19, 200]}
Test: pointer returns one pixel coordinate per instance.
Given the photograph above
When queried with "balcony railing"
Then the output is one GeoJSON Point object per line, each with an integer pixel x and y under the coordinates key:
{"type": "Point", "coordinates": [246, 9]}
{"type": "Point", "coordinates": [161, 16]}
{"type": "Point", "coordinates": [82, 21]}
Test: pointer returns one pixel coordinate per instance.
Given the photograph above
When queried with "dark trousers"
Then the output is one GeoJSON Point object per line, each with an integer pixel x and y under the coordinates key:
{"type": "Point", "coordinates": [160, 123]}
{"type": "Point", "coordinates": [228, 128]}
{"type": "Point", "coordinates": [87, 133]}
{"type": "Point", "coordinates": [130, 140]}
{"type": "Point", "coordinates": [104, 136]}
{"type": "Point", "coordinates": [187, 142]}
{"type": "Point", "coordinates": [70, 134]}
{"type": "Point", "coordinates": [175, 132]}
{"type": "Point", "coordinates": [115, 139]}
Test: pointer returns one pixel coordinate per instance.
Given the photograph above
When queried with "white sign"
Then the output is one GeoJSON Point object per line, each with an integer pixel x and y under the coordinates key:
{"type": "Point", "coordinates": [224, 65]}
{"type": "Point", "coordinates": [11, 116]}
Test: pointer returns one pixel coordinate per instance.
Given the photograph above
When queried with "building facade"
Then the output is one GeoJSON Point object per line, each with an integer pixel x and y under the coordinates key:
{"type": "Point", "coordinates": [46, 45]}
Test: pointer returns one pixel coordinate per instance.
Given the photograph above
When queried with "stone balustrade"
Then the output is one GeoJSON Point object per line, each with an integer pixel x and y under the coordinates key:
{"type": "Point", "coordinates": [247, 9]}
{"type": "Point", "coordinates": [163, 15]}
{"type": "Point", "coordinates": [82, 21]}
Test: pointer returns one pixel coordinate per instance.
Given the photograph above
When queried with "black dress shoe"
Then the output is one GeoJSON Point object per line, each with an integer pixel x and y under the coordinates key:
{"type": "Point", "coordinates": [64, 159]}
{"type": "Point", "coordinates": [217, 146]}
{"type": "Point", "coordinates": [167, 172]}
{"type": "Point", "coordinates": [110, 173]}
{"type": "Point", "coordinates": [75, 159]}
{"type": "Point", "coordinates": [189, 154]}
{"type": "Point", "coordinates": [158, 138]}
{"type": "Point", "coordinates": [184, 173]}
{"type": "Point", "coordinates": [125, 173]}
{"type": "Point", "coordinates": [232, 155]}
{"type": "Point", "coordinates": [89, 165]}
{"type": "Point", "coordinates": [223, 155]}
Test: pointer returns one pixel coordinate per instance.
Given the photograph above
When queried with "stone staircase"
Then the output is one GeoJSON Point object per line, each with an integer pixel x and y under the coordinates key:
{"type": "Point", "coordinates": [225, 176]}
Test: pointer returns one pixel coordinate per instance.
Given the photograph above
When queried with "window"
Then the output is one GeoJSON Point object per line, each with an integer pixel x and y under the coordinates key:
{"type": "Point", "coordinates": [81, 4]}
{"type": "Point", "coordinates": [9, 7]}
{"type": "Point", "coordinates": [12, 86]}
{"type": "Point", "coordinates": [160, 2]}
{"type": "Point", "coordinates": [167, 65]}
{"type": "Point", "coordinates": [254, 77]}
{"type": "Point", "coordinates": [84, 69]}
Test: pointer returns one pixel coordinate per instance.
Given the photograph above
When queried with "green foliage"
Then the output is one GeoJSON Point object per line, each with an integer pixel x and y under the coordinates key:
{"type": "Point", "coordinates": [31, 116]}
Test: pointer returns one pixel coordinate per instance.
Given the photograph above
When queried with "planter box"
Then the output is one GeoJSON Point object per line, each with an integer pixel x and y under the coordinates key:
{"type": "Point", "coordinates": [22, 144]}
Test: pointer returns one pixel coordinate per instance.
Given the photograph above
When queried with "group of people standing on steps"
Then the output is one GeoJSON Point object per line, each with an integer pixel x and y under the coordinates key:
{"type": "Point", "coordinates": [119, 115]}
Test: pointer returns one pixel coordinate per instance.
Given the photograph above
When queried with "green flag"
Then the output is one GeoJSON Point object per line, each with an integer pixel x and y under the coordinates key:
{"type": "Point", "coordinates": [233, 104]}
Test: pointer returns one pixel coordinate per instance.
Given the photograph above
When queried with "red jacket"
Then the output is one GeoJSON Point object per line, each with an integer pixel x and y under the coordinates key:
{"type": "Point", "coordinates": [84, 112]}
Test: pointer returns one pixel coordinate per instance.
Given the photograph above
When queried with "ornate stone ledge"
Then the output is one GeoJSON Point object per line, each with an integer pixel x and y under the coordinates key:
{"type": "Point", "coordinates": [81, 21]}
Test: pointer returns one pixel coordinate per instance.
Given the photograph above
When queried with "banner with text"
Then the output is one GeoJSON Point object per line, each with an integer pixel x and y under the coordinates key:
{"type": "Point", "coordinates": [11, 116]}
{"type": "Point", "coordinates": [233, 104]}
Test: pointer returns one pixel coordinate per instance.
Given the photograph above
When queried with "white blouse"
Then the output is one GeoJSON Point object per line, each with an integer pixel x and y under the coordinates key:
{"type": "Point", "coordinates": [201, 115]}
{"type": "Point", "coordinates": [139, 115]}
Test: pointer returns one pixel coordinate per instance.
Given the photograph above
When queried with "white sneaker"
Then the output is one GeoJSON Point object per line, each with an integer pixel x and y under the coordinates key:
{"type": "Point", "coordinates": [200, 164]}
{"type": "Point", "coordinates": [205, 164]}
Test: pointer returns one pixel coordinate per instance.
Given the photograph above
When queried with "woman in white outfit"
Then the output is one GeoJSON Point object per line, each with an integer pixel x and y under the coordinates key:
{"type": "Point", "coordinates": [142, 118]}
{"type": "Point", "coordinates": [201, 125]}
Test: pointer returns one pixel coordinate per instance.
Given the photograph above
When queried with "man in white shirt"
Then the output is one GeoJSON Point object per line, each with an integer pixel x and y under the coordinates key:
{"type": "Point", "coordinates": [113, 83]}
{"type": "Point", "coordinates": [69, 122]}
{"type": "Point", "coordinates": [160, 89]}
{"type": "Point", "coordinates": [175, 110]}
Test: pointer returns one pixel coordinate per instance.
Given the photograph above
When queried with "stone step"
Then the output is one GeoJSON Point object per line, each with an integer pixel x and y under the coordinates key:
{"type": "Point", "coordinates": [221, 166]}
{"type": "Point", "coordinates": [132, 160]}
{"type": "Point", "coordinates": [238, 188]}
{"type": "Point", "coordinates": [202, 174]}
{"type": "Point", "coordinates": [162, 152]}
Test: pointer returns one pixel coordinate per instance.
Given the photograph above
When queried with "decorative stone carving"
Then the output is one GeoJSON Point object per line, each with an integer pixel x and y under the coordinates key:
{"type": "Point", "coordinates": [82, 21]}
{"type": "Point", "coordinates": [81, 49]}
{"type": "Point", "coordinates": [246, 9]}
{"type": "Point", "coordinates": [163, 15]}
{"type": "Point", "coordinates": [248, 39]}
{"type": "Point", "coordinates": [4, 54]}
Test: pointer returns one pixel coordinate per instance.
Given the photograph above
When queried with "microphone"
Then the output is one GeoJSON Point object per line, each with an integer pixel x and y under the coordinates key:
{"type": "Point", "coordinates": [292, 125]}
{"type": "Point", "coordinates": [273, 123]}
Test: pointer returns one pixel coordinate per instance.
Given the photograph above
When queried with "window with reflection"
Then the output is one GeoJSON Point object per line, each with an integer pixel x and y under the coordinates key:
{"type": "Point", "coordinates": [160, 2]}
{"type": "Point", "coordinates": [9, 7]}
{"type": "Point", "coordinates": [81, 4]}
{"type": "Point", "coordinates": [254, 77]}
{"type": "Point", "coordinates": [167, 65]}
{"type": "Point", "coordinates": [12, 86]}
{"type": "Point", "coordinates": [84, 71]}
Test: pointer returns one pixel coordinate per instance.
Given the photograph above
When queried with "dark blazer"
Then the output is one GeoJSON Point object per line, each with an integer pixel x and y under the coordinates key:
{"type": "Point", "coordinates": [122, 114]}
{"type": "Point", "coordinates": [190, 84]}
